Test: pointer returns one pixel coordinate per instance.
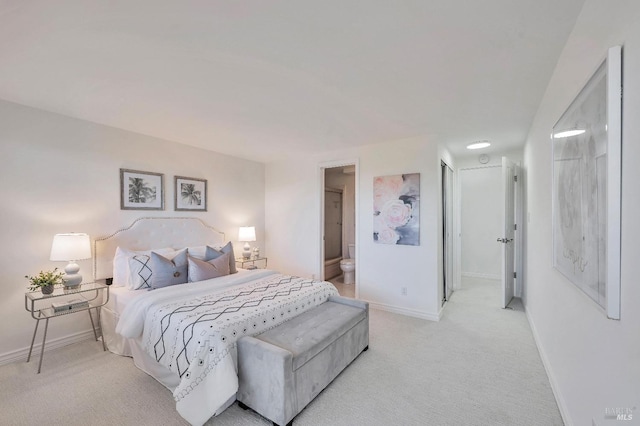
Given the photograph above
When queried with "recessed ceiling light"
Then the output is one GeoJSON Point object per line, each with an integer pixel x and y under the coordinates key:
{"type": "Point", "coordinates": [478, 145]}
{"type": "Point", "coordinates": [568, 133]}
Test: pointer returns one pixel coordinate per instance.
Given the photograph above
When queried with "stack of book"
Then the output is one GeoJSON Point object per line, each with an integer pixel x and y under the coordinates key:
{"type": "Point", "coordinates": [70, 305]}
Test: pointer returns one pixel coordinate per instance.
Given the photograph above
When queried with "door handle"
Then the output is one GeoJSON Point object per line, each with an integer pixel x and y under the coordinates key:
{"type": "Point", "coordinates": [504, 240]}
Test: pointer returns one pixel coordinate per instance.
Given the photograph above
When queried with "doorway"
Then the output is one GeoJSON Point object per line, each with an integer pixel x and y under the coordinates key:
{"type": "Point", "coordinates": [480, 222]}
{"type": "Point", "coordinates": [489, 216]}
{"type": "Point", "coordinates": [338, 195]}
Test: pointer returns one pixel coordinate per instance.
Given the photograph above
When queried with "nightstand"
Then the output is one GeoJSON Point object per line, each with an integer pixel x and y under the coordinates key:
{"type": "Point", "coordinates": [46, 306]}
{"type": "Point", "coordinates": [241, 261]}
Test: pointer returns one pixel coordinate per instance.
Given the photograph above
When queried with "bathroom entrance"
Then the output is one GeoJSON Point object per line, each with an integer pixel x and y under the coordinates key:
{"type": "Point", "coordinates": [338, 249]}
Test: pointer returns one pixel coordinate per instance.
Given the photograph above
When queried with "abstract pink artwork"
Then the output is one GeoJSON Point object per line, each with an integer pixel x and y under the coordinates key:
{"type": "Point", "coordinates": [396, 209]}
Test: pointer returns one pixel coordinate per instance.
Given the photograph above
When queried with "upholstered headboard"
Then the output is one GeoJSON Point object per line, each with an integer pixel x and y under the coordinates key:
{"type": "Point", "coordinates": [150, 233]}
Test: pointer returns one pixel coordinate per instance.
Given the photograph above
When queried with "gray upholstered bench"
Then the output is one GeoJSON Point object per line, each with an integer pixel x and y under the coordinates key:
{"type": "Point", "coordinates": [281, 370]}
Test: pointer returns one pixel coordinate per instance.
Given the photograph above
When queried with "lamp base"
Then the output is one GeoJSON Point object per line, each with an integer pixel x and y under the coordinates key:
{"type": "Point", "coordinates": [246, 251]}
{"type": "Point", "coordinates": [71, 277]}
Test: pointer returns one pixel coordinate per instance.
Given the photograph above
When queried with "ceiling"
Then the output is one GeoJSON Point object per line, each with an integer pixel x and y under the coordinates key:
{"type": "Point", "coordinates": [264, 79]}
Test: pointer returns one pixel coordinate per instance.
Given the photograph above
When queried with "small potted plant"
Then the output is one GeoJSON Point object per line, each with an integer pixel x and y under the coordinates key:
{"type": "Point", "coordinates": [45, 281]}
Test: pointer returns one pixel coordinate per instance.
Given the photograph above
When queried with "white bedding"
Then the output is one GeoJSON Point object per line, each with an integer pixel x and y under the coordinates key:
{"type": "Point", "coordinates": [191, 330]}
{"type": "Point", "coordinates": [119, 298]}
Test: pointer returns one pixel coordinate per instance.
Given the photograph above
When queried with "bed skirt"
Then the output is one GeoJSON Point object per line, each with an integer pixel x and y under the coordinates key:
{"type": "Point", "coordinates": [130, 348]}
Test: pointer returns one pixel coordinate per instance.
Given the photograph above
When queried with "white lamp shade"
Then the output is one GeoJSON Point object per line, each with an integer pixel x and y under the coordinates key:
{"type": "Point", "coordinates": [71, 246]}
{"type": "Point", "coordinates": [247, 233]}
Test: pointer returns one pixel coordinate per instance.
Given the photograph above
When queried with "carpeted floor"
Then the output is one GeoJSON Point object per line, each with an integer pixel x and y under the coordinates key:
{"type": "Point", "coordinates": [478, 366]}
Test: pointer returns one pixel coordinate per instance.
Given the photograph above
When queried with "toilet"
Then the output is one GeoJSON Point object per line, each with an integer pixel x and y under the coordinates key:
{"type": "Point", "coordinates": [348, 266]}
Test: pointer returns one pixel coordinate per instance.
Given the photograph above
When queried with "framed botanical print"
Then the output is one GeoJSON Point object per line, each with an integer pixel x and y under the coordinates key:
{"type": "Point", "coordinates": [396, 209]}
{"type": "Point", "coordinates": [586, 193]}
{"type": "Point", "coordinates": [141, 190]}
{"type": "Point", "coordinates": [190, 194]}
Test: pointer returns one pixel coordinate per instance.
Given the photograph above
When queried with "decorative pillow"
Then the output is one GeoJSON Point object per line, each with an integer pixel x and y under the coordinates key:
{"type": "Point", "coordinates": [212, 253]}
{"type": "Point", "coordinates": [169, 271]}
{"type": "Point", "coordinates": [122, 270]}
{"type": "Point", "coordinates": [140, 272]}
{"type": "Point", "coordinates": [200, 270]}
{"type": "Point", "coordinates": [197, 252]}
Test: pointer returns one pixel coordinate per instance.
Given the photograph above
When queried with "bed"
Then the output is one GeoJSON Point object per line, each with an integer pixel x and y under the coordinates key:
{"type": "Point", "coordinates": [185, 335]}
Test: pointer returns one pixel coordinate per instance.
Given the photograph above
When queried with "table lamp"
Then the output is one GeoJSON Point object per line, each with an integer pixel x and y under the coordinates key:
{"type": "Point", "coordinates": [69, 248]}
{"type": "Point", "coordinates": [246, 234]}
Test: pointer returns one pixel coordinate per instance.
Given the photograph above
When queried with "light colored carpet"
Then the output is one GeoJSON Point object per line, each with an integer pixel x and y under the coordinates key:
{"type": "Point", "coordinates": [478, 366]}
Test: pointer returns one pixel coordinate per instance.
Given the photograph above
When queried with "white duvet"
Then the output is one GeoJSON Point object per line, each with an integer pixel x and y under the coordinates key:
{"type": "Point", "coordinates": [192, 329]}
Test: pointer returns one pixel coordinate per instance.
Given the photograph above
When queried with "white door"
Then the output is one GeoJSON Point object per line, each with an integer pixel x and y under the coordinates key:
{"type": "Point", "coordinates": [509, 172]}
{"type": "Point", "coordinates": [447, 235]}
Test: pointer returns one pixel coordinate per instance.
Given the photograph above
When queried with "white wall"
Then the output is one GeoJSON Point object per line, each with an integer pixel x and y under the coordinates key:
{"type": "Point", "coordinates": [482, 202]}
{"type": "Point", "coordinates": [593, 362]}
{"type": "Point", "coordinates": [60, 174]}
{"type": "Point", "coordinates": [495, 158]}
{"type": "Point", "coordinates": [293, 218]}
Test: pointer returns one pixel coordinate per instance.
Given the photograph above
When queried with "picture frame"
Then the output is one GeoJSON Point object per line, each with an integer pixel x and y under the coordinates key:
{"type": "Point", "coordinates": [396, 209]}
{"type": "Point", "coordinates": [190, 194]}
{"type": "Point", "coordinates": [141, 190]}
{"type": "Point", "coordinates": [586, 192]}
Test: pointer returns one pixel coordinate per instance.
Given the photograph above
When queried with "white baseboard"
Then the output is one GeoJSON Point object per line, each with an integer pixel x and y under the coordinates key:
{"type": "Point", "coordinates": [480, 275]}
{"type": "Point", "coordinates": [405, 311]}
{"type": "Point", "coordinates": [545, 362]}
{"type": "Point", "coordinates": [21, 354]}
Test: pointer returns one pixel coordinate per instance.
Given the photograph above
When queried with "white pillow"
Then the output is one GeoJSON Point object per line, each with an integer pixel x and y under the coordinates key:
{"type": "Point", "coordinates": [121, 269]}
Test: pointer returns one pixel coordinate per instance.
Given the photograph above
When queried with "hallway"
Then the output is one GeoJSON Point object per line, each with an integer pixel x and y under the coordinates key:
{"type": "Point", "coordinates": [478, 365]}
{"type": "Point", "coordinates": [491, 359]}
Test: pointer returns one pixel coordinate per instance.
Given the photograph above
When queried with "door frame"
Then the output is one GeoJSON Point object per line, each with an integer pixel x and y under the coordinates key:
{"type": "Point", "coordinates": [458, 220]}
{"type": "Point", "coordinates": [321, 187]}
{"type": "Point", "coordinates": [342, 233]}
{"type": "Point", "coordinates": [449, 281]}
{"type": "Point", "coordinates": [509, 224]}
{"type": "Point", "coordinates": [520, 234]}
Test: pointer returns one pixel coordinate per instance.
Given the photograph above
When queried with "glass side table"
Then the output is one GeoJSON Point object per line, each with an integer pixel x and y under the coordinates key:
{"type": "Point", "coordinates": [241, 261]}
{"type": "Point", "coordinates": [46, 306]}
